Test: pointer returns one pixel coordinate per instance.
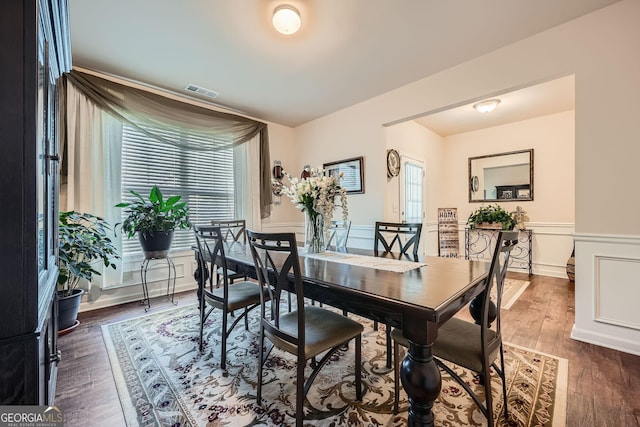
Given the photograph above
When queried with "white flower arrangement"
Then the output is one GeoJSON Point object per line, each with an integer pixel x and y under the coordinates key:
{"type": "Point", "coordinates": [316, 195]}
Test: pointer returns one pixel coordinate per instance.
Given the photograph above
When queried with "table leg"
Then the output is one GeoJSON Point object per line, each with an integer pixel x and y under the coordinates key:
{"type": "Point", "coordinates": [421, 379]}
{"type": "Point", "coordinates": [475, 309]}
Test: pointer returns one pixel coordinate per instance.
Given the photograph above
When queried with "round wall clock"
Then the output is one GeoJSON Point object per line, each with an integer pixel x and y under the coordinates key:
{"type": "Point", "coordinates": [474, 184]}
{"type": "Point", "coordinates": [393, 163]}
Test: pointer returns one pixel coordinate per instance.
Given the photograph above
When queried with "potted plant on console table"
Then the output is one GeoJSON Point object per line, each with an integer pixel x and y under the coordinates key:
{"type": "Point", "coordinates": [83, 240]}
{"type": "Point", "coordinates": [154, 219]}
{"type": "Point", "coordinates": [491, 217]}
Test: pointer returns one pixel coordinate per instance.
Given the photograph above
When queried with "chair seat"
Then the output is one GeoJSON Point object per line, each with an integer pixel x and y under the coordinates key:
{"type": "Point", "coordinates": [324, 330]}
{"type": "Point", "coordinates": [241, 294]}
{"type": "Point", "coordinates": [458, 341]}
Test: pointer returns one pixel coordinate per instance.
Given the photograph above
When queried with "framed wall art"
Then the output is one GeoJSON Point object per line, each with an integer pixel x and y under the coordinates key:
{"type": "Point", "coordinates": [353, 173]}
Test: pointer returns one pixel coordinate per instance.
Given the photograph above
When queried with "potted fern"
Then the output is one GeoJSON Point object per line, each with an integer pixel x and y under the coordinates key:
{"type": "Point", "coordinates": [492, 217]}
{"type": "Point", "coordinates": [154, 219]}
{"type": "Point", "coordinates": [83, 241]}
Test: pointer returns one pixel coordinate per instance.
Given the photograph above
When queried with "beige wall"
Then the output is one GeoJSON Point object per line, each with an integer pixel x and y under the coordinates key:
{"type": "Point", "coordinates": [553, 141]}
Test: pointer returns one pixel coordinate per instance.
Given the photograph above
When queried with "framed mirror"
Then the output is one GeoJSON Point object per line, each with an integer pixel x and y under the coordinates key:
{"type": "Point", "coordinates": [501, 177]}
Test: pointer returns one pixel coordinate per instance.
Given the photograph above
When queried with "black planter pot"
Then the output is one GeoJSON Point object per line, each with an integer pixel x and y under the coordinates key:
{"type": "Point", "coordinates": [68, 309]}
{"type": "Point", "coordinates": [156, 245]}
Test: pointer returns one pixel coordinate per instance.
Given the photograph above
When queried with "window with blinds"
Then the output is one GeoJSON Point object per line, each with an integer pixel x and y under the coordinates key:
{"type": "Point", "coordinates": [204, 179]}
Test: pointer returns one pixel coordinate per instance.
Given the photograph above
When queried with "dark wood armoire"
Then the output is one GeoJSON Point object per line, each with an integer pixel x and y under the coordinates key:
{"type": "Point", "coordinates": [34, 52]}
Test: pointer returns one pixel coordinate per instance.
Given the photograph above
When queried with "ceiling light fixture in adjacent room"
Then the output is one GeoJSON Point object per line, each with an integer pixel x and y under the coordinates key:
{"type": "Point", "coordinates": [486, 106]}
{"type": "Point", "coordinates": [286, 19]}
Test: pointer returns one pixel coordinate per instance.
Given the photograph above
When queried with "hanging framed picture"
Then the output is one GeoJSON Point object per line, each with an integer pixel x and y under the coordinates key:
{"type": "Point", "coordinates": [352, 173]}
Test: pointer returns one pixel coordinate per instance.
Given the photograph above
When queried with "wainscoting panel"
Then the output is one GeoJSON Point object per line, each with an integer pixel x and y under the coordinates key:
{"type": "Point", "coordinates": [617, 291]}
{"type": "Point", "coordinates": [608, 291]}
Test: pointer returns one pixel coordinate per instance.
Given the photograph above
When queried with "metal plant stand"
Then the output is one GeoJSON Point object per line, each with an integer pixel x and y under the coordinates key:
{"type": "Point", "coordinates": [171, 280]}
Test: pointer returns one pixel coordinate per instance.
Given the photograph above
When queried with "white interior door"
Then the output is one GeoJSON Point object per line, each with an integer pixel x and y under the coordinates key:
{"type": "Point", "coordinates": [412, 190]}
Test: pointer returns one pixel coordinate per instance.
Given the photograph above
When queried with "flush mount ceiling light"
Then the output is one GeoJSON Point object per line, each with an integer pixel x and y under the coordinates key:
{"type": "Point", "coordinates": [486, 106]}
{"type": "Point", "coordinates": [286, 19]}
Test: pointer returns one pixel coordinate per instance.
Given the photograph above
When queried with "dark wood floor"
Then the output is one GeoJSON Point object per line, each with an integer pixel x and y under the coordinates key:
{"type": "Point", "coordinates": [604, 385]}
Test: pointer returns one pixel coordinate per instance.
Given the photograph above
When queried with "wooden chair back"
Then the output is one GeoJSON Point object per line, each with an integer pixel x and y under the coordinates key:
{"type": "Point", "coordinates": [275, 256]}
{"type": "Point", "coordinates": [505, 243]}
{"type": "Point", "coordinates": [232, 230]}
{"type": "Point", "coordinates": [210, 255]}
{"type": "Point", "coordinates": [338, 235]}
{"type": "Point", "coordinates": [406, 236]}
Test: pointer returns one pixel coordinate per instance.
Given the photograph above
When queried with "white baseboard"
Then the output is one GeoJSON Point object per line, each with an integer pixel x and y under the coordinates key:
{"type": "Point", "coordinates": [609, 341]}
{"type": "Point", "coordinates": [559, 271]}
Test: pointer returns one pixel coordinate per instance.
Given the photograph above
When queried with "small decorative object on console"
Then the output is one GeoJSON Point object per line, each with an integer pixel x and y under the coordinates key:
{"type": "Point", "coordinates": [519, 215]}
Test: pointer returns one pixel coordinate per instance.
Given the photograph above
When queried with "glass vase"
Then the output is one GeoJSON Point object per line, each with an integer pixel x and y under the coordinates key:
{"type": "Point", "coordinates": [314, 233]}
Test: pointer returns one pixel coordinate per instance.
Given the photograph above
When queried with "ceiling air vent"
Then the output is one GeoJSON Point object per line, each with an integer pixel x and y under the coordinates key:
{"type": "Point", "coordinates": [202, 91]}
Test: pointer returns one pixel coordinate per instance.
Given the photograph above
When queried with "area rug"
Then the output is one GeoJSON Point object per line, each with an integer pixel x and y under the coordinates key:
{"type": "Point", "coordinates": [512, 290]}
{"type": "Point", "coordinates": [163, 380]}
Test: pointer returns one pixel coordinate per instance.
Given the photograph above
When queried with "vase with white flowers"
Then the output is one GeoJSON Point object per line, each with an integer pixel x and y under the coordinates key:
{"type": "Point", "coordinates": [315, 196]}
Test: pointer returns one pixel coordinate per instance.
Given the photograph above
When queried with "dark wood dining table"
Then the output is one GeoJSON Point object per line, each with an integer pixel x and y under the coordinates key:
{"type": "Point", "coordinates": [419, 301]}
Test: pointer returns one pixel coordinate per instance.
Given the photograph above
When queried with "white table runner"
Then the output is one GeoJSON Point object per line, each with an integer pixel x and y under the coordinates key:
{"type": "Point", "coordinates": [395, 265]}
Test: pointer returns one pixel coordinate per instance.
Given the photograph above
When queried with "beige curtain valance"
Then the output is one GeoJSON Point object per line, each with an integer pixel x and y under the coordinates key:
{"type": "Point", "coordinates": [148, 111]}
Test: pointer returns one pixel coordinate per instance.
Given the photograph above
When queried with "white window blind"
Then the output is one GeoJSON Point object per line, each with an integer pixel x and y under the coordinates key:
{"type": "Point", "coordinates": [204, 179]}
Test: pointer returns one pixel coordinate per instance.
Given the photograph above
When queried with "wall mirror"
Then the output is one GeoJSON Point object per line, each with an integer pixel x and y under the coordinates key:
{"type": "Point", "coordinates": [501, 177]}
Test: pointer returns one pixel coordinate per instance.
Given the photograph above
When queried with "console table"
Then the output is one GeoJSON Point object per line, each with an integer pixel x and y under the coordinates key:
{"type": "Point", "coordinates": [479, 244]}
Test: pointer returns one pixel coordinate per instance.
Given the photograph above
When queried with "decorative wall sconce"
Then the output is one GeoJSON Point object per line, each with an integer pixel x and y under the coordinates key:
{"type": "Point", "coordinates": [276, 183]}
{"type": "Point", "coordinates": [277, 170]}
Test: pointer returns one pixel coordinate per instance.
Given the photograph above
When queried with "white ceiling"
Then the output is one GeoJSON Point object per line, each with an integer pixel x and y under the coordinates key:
{"type": "Point", "coordinates": [534, 101]}
{"type": "Point", "coordinates": [346, 51]}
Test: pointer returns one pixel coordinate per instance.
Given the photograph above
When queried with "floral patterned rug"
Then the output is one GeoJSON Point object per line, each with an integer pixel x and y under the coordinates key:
{"type": "Point", "coordinates": [163, 380]}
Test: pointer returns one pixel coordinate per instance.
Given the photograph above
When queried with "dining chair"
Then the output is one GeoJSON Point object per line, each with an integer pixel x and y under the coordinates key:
{"type": "Point", "coordinates": [307, 331]}
{"type": "Point", "coordinates": [338, 235]}
{"type": "Point", "coordinates": [232, 231]}
{"type": "Point", "coordinates": [470, 345]}
{"type": "Point", "coordinates": [220, 294]}
{"type": "Point", "coordinates": [404, 236]}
